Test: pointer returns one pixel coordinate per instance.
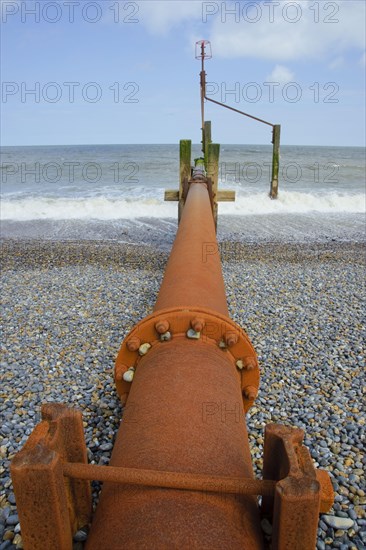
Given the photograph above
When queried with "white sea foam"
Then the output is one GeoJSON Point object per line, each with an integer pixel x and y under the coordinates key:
{"type": "Point", "coordinates": [107, 208]}
{"type": "Point", "coordinates": [292, 202]}
{"type": "Point", "coordinates": [99, 208]}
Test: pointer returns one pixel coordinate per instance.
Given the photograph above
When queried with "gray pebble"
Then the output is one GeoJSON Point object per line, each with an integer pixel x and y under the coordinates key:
{"type": "Point", "coordinates": [12, 520]}
{"type": "Point", "coordinates": [300, 304]}
{"type": "Point", "coordinates": [81, 535]}
{"type": "Point", "coordinates": [266, 526]}
{"type": "Point", "coordinates": [338, 522]}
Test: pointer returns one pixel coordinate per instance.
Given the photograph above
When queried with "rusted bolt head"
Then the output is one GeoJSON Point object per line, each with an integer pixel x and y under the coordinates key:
{"type": "Point", "coordinates": [249, 363]}
{"type": "Point", "coordinates": [198, 324]}
{"type": "Point", "coordinates": [133, 343]}
{"type": "Point", "coordinates": [231, 338]}
{"type": "Point", "coordinates": [162, 326]}
{"type": "Point", "coordinates": [250, 392]}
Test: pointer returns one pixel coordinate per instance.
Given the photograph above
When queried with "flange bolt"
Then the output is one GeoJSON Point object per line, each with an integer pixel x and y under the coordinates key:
{"type": "Point", "coordinates": [198, 324]}
{"type": "Point", "coordinates": [133, 343]}
{"type": "Point", "coordinates": [250, 392]}
{"type": "Point", "coordinates": [231, 338]}
{"type": "Point", "coordinates": [162, 326]}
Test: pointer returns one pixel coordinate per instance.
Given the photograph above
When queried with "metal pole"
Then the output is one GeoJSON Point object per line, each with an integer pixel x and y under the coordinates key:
{"type": "Point", "coordinates": [170, 480]}
{"type": "Point", "coordinates": [203, 93]}
{"type": "Point", "coordinates": [237, 111]}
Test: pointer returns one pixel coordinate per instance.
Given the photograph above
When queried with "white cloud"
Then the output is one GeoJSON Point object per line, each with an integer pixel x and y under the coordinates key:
{"type": "Point", "coordinates": [281, 74]}
{"type": "Point", "coordinates": [160, 16]}
{"type": "Point", "coordinates": [337, 27]}
{"type": "Point", "coordinates": [337, 62]}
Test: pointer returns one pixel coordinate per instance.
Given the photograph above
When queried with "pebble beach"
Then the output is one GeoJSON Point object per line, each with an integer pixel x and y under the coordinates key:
{"type": "Point", "coordinates": [67, 306]}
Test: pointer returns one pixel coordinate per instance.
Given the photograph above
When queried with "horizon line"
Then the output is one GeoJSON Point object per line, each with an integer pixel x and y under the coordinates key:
{"type": "Point", "coordinates": [173, 143]}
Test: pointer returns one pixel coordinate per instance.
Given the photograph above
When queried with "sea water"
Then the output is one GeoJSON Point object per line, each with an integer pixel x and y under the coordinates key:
{"type": "Point", "coordinates": [50, 191]}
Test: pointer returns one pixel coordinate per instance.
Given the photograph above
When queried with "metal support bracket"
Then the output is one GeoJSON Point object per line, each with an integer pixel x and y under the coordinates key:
{"type": "Point", "coordinates": [52, 508]}
{"type": "Point", "coordinates": [300, 493]}
{"type": "Point", "coordinates": [52, 483]}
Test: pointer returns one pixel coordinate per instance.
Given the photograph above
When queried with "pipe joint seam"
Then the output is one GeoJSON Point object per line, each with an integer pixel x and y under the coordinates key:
{"type": "Point", "coordinates": [213, 329]}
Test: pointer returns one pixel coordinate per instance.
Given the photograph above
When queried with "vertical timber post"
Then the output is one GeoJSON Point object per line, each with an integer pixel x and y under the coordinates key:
{"type": "Point", "coordinates": [206, 139]}
{"type": "Point", "coordinates": [275, 161]}
{"type": "Point", "coordinates": [213, 155]}
{"type": "Point", "coordinates": [184, 170]}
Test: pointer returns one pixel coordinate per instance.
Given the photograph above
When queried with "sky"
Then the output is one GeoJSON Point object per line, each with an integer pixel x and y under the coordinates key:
{"type": "Point", "coordinates": [114, 72]}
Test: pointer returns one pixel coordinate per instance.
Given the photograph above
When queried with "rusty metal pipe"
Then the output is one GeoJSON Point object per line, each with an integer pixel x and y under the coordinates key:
{"type": "Point", "coordinates": [184, 415]}
{"type": "Point", "coordinates": [193, 276]}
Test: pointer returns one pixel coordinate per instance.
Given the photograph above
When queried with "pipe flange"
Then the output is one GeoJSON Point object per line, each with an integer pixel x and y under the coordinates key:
{"type": "Point", "coordinates": [215, 329]}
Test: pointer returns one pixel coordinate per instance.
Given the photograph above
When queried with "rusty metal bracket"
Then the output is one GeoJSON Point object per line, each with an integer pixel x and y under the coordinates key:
{"type": "Point", "coordinates": [51, 481]}
{"type": "Point", "coordinates": [300, 493]}
{"type": "Point", "coordinates": [50, 507]}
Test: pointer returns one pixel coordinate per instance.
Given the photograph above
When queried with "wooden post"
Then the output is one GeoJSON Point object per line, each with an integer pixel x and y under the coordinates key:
{"type": "Point", "coordinates": [206, 139]}
{"type": "Point", "coordinates": [275, 161]}
{"type": "Point", "coordinates": [213, 155]}
{"type": "Point", "coordinates": [184, 170]}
